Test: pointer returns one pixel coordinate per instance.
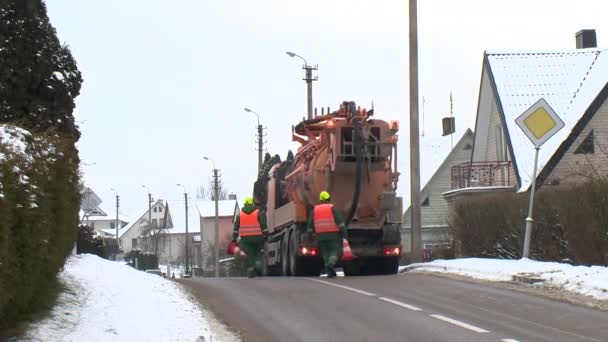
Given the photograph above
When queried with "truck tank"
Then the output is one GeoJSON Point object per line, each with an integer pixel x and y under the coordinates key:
{"type": "Point", "coordinates": [353, 156]}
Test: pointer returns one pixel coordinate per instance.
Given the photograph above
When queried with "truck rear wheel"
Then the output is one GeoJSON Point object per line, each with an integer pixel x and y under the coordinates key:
{"type": "Point", "coordinates": [388, 265]}
{"type": "Point", "coordinates": [266, 269]}
{"type": "Point", "coordinates": [285, 255]}
{"type": "Point", "coordinates": [296, 264]}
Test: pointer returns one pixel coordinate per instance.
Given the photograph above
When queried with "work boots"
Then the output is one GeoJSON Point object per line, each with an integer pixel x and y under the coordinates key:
{"type": "Point", "coordinates": [331, 273]}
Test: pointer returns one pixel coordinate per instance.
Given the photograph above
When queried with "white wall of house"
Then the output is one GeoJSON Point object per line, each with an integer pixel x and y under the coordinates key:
{"type": "Point", "coordinates": [105, 223]}
{"type": "Point", "coordinates": [129, 239]}
{"type": "Point", "coordinates": [434, 208]}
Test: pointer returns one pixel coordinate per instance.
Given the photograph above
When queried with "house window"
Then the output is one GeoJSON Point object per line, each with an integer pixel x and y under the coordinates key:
{"type": "Point", "coordinates": [154, 223]}
{"type": "Point", "coordinates": [501, 144]}
{"type": "Point", "coordinates": [587, 146]}
{"type": "Point", "coordinates": [133, 243]}
{"type": "Point", "coordinates": [92, 224]}
{"type": "Point", "coordinates": [468, 147]}
{"type": "Point", "coordinates": [160, 209]}
{"type": "Point", "coordinates": [426, 202]}
{"type": "Point", "coordinates": [112, 225]}
{"type": "Point", "coordinates": [154, 209]}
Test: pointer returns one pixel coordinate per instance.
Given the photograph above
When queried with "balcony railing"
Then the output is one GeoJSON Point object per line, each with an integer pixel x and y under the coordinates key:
{"type": "Point", "coordinates": [485, 173]}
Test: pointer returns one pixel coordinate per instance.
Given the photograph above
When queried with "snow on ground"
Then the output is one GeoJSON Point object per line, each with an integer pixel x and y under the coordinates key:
{"type": "Point", "coordinates": [110, 301]}
{"type": "Point", "coordinates": [591, 281]}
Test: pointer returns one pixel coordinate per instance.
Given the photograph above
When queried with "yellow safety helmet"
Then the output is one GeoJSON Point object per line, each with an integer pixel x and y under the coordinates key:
{"type": "Point", "coordinates": [249, 200]}
{"type": "Point", "coordinates": [324, 196]}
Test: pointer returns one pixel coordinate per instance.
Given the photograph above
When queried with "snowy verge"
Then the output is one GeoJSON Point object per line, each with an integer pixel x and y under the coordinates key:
{"type": "Point", "coordinates": [590, 281]}
{"type": "Point", "coordinates": [110, 301]}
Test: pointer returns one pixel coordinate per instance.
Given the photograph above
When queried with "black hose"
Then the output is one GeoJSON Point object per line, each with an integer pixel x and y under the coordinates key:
{"type": "Point", "coordinates": [358, 165]}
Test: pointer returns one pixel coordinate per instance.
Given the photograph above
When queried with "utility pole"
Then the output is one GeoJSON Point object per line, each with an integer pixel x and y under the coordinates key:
{"type": "Point", "coordinates": [452, 129]}
{"type": "Point", "coordinates": [260, 137]}
{"type": "Point", "coordinates": [260, 146]}
{"type": "Point", "coordinates": [416, 233]}
{"type": "Point", "coordinates": [216, 191]}
{"type": "Point", "coordinates": [150, 209]}
{"type": "Point", "coordinates": [187, 237]}
{"type": "Point", "coordinates": [117, 221]}
{"type": "Point", "coordinates": [309, 79]}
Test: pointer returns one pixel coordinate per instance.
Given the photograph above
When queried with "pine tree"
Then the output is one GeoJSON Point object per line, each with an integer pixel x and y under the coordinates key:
{"type": "Point", "coordinates": [290, 157]}
{"type": "Point", "coordinates": [38, 76]}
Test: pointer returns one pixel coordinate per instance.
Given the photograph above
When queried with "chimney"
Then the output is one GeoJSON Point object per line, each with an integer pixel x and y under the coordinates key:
{"type": "Point", "coordinates": [586, 39]}
{"type": "Point", "coordinates": [232, 197]}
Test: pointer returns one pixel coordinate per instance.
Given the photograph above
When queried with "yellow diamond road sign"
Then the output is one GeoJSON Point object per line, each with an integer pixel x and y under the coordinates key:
{"type": "Point", "coordinates": [539, 122]}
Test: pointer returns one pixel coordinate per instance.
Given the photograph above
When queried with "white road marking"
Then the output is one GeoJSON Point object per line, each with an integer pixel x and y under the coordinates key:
{"type": "Point", "coordinates": [346, 288]}
{"type": "Point", "coordinates": [403, 305]}
{"type": "Point", "coordinates": [460, 324]}
{"type": "Point", "coordinates": [508, 340]}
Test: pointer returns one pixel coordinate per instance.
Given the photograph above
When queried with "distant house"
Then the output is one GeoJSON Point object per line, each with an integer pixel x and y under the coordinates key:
{"type": "Point", "coordinates": [135, 235]}
{"type": "Point", "coordinates": [434, 208]}
{"type": "Point", "coordinates": [106, 224]}
{"type": "Point", "coordinates": [575, 83]}
{"type": "Point", "coordinates": [172, 246]}
{"type": "Point", "coordinates": [227, 212]}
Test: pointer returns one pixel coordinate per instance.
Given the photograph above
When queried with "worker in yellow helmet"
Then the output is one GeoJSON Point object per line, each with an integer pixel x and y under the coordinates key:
{"type": "Point", "coordinates": [327, 222]}
{"type": "Point", "coordinates": [251, 226]}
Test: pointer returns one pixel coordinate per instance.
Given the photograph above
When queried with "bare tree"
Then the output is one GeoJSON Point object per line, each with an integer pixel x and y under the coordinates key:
{"type": "Point", "coordinates": [207, 193]}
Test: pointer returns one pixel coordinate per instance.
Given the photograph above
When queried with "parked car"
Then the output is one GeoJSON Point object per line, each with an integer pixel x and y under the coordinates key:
{"type": "Point", "coordinates": [156, 271]}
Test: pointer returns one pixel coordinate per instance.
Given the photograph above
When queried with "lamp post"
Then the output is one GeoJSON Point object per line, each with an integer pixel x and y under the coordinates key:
{"type": "Point", "coordinates": [260, 138]}
{"type": "Point", "coordinates": [187, 237]}
{"type": "Point", "coordinates": [217, 222]}
{"type": "Point", "coordinates": [308, 80]}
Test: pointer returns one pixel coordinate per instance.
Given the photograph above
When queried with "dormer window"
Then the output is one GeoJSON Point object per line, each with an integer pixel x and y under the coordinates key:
{"type": "Point", "coordinates": [587, 146]}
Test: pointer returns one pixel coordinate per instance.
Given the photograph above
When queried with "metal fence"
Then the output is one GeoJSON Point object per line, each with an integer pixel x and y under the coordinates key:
{"type": "Point", "coordinates": [478, 174]}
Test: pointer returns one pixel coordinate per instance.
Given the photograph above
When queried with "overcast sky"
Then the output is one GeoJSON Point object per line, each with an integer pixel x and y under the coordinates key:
{"type": "Point", "coordinates": [165, 82]}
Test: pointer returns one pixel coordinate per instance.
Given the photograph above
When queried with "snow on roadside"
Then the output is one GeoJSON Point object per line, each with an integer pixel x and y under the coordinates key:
{"type": "Point", "coordinates": [110, 301]}
{"type": "Point", "coordinates": [591, 281]}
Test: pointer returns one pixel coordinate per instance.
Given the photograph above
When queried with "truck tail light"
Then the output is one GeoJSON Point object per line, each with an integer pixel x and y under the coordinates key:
{"type": "Point", "coordinates": [392, 251]}
{"type": "Point", "coordinates": [309, 251]}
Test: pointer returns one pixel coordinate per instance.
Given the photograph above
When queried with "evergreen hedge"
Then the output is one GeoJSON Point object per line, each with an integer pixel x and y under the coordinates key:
{"type": "Point", "coordinates": [570, 224]}
{"type": "Point", "coordinates": [39, 179]}
{"type": "Point", "coordinates": [39, 205]}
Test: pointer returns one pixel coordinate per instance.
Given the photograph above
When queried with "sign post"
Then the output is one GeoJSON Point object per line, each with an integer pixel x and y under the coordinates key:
{"type": "Point", "coordinates": [539, 123]}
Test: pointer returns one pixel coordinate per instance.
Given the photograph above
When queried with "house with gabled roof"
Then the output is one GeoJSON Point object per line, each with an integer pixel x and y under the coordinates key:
{"type": "Point", "coordinates": [575, 84]}
{"type": "Point", "coordinates": [132, 236]}
{"type": "Point", "coordinates": [434, 208]}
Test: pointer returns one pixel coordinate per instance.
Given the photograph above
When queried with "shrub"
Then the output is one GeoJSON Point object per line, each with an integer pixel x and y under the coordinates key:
{"type": "Point", "coordinates": [571, 224]}
{"type": "Point", "coordinates": [89, 242]}
{"type": "Point", "coordinates": [39, 202]}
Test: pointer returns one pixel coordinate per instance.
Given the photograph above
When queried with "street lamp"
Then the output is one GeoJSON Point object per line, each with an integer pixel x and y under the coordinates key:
{"type": "Point", "coordinates": [308, 80]}
{"type": "Point", "coordinates": [260, 138]}
{"type": "Point", "coordinates": [187, 236]}
{"type": "Point", "coordinates": [217, 222]}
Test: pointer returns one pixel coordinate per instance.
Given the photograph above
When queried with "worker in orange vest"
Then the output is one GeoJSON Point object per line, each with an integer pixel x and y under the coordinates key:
{"type": "Point", "coordinates": [251, 226]}
{"type": "Point", "coordinates": [326, 221]}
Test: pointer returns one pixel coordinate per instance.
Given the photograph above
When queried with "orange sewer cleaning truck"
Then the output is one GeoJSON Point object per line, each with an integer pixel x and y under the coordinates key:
{"type": "Point", "coordinates": [353, 156]}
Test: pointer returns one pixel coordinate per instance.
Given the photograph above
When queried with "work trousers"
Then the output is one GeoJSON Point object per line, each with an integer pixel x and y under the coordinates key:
{"type": "Point", "coordinates": [330, 246]}
{"type": "Point", "coordinates": [252, 245]}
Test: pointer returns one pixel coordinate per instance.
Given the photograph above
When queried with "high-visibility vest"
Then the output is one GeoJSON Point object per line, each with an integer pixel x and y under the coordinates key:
{"type": "Point", "coordinates": [324, 219]}
{"type": "Point", "coordinates": [249, 224]}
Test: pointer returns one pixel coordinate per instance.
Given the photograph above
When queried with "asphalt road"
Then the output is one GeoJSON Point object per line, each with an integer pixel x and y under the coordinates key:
{"type": "Point", "coordinates": [408, 307]}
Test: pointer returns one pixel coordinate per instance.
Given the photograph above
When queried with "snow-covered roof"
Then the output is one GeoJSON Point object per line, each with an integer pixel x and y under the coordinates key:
{"type": "Point", "coordinates": [569, 80]}
{"type": "Point", "coordinates": [225, 208]}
